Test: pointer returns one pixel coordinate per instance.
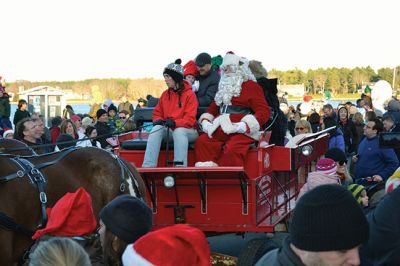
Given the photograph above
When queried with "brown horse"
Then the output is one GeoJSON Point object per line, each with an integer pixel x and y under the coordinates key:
{"type": "Point", "coordinates": [98, 171]}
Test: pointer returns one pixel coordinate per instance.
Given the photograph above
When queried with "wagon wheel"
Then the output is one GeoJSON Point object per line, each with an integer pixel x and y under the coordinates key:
{"type": "Point", "coordinates": [254, 250]}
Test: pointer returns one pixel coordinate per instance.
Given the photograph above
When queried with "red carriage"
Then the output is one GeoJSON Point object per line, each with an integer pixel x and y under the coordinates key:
{"type": "Point", "coordinates": [253, 198]}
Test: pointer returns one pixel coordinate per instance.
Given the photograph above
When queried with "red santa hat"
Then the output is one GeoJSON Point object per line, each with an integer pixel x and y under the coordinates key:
{"type": "Point", "coordinates": [72, 215]}
{"type": "Point", "coordinates": [170, 246]}
{"type": "Point", "coordinates": [190, 68]}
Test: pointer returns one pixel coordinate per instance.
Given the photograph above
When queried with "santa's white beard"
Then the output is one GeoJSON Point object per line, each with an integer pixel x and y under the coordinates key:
{"type": "Point", "coordinates": [229, 86]}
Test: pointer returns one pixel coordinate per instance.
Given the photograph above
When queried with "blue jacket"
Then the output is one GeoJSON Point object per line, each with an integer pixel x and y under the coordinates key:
{"type": "Point", "coordinates": [373, 160]}
{"type": "Point", "coordinates": [337, 140]}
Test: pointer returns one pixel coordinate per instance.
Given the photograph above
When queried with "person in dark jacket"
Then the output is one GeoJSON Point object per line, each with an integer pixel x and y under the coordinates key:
{"type": "Point", "coordinates": [278, 122]}
{"type": "Point", "coordinates": [327, 228]}
{"type": "Point", "coordinates": [349, 131]}
{"type": "Point", "coordinates": [102, 127]}
{"type": "Point", "coordinates": [208, 79]}
{"type": "Point", "coordinates": [125, 105]}
{"type": "Point", "coordinates": [315, 121]}
{"type": "Point", "coordinates": [21, 112]}
{"type": "Point", "coordinates": [383, 246]}
{"type": "Point", "coordinates": [5, 109]}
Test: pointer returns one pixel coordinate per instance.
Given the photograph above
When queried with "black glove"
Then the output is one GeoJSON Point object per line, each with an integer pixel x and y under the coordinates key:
{"type": "Point", "coordinates": [158, 122]}
{"type": "Point", "coordinates": [170, 123]}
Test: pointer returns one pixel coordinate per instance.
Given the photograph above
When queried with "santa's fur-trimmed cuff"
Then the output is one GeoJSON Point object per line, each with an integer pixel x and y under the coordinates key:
{"type": "Point", "coordinates": [253, 125]}
{"type": "Point", "coordinates": [207, 116]}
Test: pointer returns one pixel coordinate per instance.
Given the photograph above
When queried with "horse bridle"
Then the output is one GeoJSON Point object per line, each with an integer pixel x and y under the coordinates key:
{"type": "Point", "coordinates": [35, 176]}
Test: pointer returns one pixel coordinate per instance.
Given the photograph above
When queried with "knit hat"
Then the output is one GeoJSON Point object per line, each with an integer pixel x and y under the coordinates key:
{"type": "Point", "coordinates": [328, 218]}
{"type": "Point", "coordinates": [7, 131]}
{"type": "Point", "coordinates": [170, 246]}
{"type": "Point", "coordinates": [65, 138]}
{"type": "Point", "coordinates": [175, 70]}
{"type": "Point", "coordinates": [112, 107]}
{"type": "Point", "coordinates": [393, 181]}
{"type": "Point", "coordinates": [127, 217]}
{"type": "Point", "coordinates": [336, 154]}
{"type": "Point", "coordinates": [357, 191]}
{"type": "Point", "coordinates": [203, 59]}
{"type": "Point", "coordinates": [100, 112]}
{"type": "Point", "coordinates": [326, 166]}
{"type": "Point", "coordinates": [216, 62]}
{"type": "Point", "coordinates": [107, 102]}
{"type": "Point", "coordinates": [190, 69]}
{"type": "Point", "coordinates": [75, 118]}
{"type": "Point", "coordinates": [87, 121]}
{"type": "Point", "coordinates": [72, 215]}
{"type": "Point", "coordinates": [257, 69]}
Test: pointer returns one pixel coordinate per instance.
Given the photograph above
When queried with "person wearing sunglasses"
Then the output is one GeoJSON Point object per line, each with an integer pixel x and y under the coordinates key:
{"type": "Point", "coordinates": [340, 158]}
{"type": "Point", "coordinates": [303, 127]}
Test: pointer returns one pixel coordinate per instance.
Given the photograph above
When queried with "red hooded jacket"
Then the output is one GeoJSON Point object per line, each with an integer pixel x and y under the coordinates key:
{"type": "Point", "coordinates": [183, 114]}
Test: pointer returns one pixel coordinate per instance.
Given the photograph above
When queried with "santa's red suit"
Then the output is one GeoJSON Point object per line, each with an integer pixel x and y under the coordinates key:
{"type": "Point", "coordinates": [225, 144]}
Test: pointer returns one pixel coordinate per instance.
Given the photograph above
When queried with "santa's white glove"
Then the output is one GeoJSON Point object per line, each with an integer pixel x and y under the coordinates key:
{"type": "Point", "coordinates": [204, 125]}
{"type": "Point", "coordinates": [241, 127]}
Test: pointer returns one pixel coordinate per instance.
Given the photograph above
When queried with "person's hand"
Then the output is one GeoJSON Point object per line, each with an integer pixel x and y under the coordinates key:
{"type": "Point", "coordinates": [158, 122]}
{"type": "Point", "coordinates": [377, 178]}
{"type": "Point", "coordinates": [241, 127]}
{"type": "Point", "coordinates": [170, 123]}
{"type": "Point", "coordinates": [355, 158]}
{"type": "Point", "coordinates": [204, 125]}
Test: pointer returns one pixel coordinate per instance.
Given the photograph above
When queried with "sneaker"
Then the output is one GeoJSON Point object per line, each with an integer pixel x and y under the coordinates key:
{"type": "Point", "coordinates": [206, 164]}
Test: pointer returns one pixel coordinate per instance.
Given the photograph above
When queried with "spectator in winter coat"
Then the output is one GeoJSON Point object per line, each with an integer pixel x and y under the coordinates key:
{"type": "Point", "coordinates": [358, 122]}
{"type": "Point", "coordinates": [208, 79]}
{"type": "Point", "coordinates": [326, 173]}
{"type": "Point", "coordinates": [393, 109]}
{"type": "Point", "coordinates": [5, 109]}
{"type": "Point", "coordinates": [372, 161]}
{"type": "Point", "coordinates": [336, 139]}
{"type": "Point", "coordinates": [102, 127]}
{"type": "Point", "coordinates": [122, 221]}
{"type": "Point", "coordinates": [125, 105]}
{"type": "Point", "coordinates": [55, 130]}
{"type": "Point", "coordinates": [349, 131]}
{"type": "Point", "coordinates": [176, 112]}
{"type": "Point", "coordinates": [314, 238]}
{"type": "Point", "coordinates": [383, 246]}
{"type": "Point", "coordinates": [21, 112]}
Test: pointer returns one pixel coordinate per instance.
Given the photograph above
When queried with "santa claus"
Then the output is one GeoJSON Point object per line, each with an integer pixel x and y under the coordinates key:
{"type": "Point", "coordinates": [233, 121]}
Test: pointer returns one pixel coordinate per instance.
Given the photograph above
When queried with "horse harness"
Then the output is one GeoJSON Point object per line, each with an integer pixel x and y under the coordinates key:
{"type": "Point", "coordinates": [37, 179]}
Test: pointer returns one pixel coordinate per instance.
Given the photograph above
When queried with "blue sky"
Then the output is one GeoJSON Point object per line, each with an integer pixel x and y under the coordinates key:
{"type": "Point", "coordinates": [80, 39]}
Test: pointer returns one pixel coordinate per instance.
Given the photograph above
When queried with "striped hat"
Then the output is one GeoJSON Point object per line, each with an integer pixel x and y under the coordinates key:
{"type": "Point", "coordinates": [357, 191]}
{"type": "Point", "coordinates": [326, 166]}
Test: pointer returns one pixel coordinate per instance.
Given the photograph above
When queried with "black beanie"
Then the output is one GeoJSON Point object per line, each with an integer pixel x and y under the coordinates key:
{"type": "Point", "coordinates": [127, 217]}
{"type": "Point", "coordinates": [328, 218]}
{"type": "Point", "coordinates": [175, 71]}
{"type": "Point", "coordinates": [336, 154]}
{"type": "Point", "coordinates": [112, 107]}
{"type": "Point", "coordinates": [100, 112]}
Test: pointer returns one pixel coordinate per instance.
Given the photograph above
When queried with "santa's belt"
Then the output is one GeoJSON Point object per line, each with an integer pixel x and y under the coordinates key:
{"type": "Point", "coordinates": [231, 109]}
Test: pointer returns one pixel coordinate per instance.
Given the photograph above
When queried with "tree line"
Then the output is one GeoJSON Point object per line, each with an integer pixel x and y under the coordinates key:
{"type": "Point", "coordinates": [336, 80]}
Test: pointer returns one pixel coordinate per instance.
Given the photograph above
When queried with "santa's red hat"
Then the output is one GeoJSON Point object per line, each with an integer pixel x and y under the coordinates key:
{"type": "Point", "coordinates": [170, 246]}
{"type": "Point", "coordinates": [307, 98]}
{"type": "Point", "coordinates": [190, 68]}
{"type": "Point", "coordinates": [72, 215]}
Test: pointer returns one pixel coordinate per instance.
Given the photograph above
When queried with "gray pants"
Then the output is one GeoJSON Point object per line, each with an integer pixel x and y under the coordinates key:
{"type": "Point", "coordinates": [181, 137]}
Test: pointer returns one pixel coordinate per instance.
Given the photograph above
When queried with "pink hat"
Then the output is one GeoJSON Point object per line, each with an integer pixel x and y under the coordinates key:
{"type": "Point", "coordinates": [75, 118]}
{"type": "Point", "coordinates": [326, 166]}
{"type": "Point", "coordinates": [170, 246]}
